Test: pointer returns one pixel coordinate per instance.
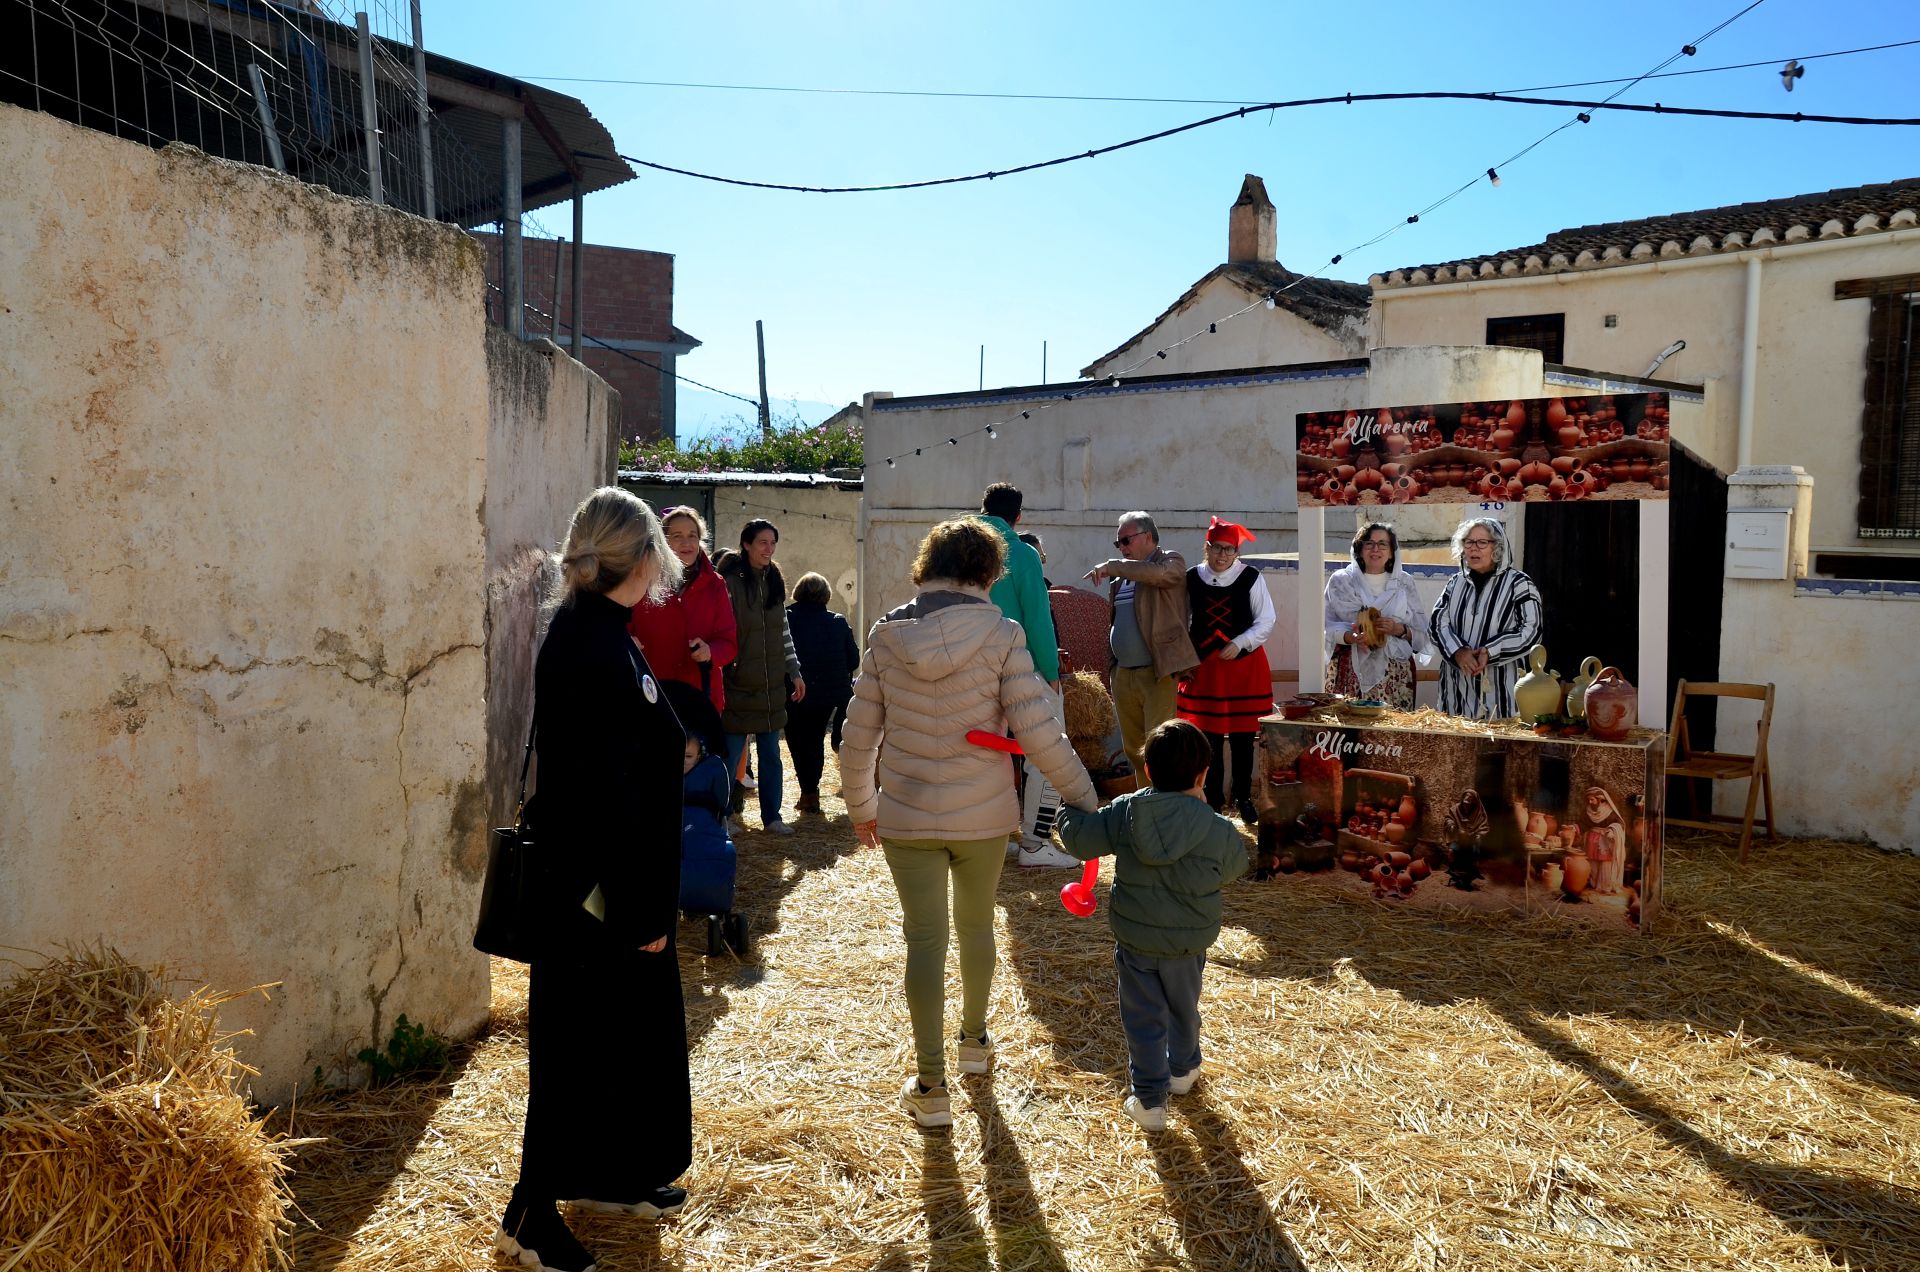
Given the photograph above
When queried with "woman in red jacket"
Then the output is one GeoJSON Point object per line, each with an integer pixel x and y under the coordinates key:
{"type": "Point", "coordinates": [689, 636]}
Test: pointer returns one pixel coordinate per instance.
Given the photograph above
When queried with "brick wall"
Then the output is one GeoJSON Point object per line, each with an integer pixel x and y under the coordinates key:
{"type": "Point", "coordinates": [628, 295]}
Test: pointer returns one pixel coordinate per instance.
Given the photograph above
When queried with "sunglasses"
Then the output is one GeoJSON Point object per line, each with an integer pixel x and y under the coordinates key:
{"type": "Point", "coordinates": [1125, 539]}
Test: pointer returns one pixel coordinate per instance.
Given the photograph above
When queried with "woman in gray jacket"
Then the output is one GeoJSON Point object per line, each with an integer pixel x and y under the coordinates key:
{"type": "Point", "coordinates": [943, 664]}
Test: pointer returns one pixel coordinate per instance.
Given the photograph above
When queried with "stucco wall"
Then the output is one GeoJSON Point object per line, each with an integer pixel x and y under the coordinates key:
{"type": "Point", "coordinates": [243, 444]}
{"type": "Point", "coordinates": [1841, 748]}
{"type": "Point", "coordinates": [1809, 373]}
{"type": "Point", "coordinates": [553, 430]}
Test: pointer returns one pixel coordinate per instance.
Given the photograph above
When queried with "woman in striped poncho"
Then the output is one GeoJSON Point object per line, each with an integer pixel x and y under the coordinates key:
{"type": "Point", "coordinates": [1484, 624]}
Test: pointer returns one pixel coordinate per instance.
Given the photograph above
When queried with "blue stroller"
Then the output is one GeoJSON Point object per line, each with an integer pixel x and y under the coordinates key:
{"type": "Point", "coordinates": [707, 864]}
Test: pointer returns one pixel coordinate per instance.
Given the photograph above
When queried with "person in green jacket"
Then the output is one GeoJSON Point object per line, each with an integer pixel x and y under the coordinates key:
{"type": "Point", "coordinates": [1021, 592]}
{"type": "Point", "coordinates": [1172, 856]}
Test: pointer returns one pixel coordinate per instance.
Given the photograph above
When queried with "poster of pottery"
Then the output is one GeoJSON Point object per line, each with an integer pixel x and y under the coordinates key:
{"type": "Point", "coordinates": [1465, 820]}
{"type": "Point", "coordinates": [1600, 446]}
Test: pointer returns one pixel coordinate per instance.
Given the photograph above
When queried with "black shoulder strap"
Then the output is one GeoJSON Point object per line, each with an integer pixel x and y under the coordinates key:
{"type": "Point", "coordinates": [526, 761]}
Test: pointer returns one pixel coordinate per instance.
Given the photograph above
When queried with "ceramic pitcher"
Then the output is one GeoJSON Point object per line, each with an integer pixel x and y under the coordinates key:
{"type": "Point", "coordinates": [1613, 705]}
{"type": "Point", "coordinates": [1577, 693]}
{"type": "Point", "coordinates": [1538, 692]}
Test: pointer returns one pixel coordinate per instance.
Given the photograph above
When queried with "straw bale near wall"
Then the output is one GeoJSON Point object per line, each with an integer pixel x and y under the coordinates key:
{"type": "Point", "coordinates": [124, 1139]}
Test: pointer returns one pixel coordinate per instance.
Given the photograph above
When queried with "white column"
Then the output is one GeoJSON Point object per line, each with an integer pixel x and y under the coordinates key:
{"type": "Point", "coordinates": [1654, 551]}
{"type": "Point", "coordinates": [1312, 530]}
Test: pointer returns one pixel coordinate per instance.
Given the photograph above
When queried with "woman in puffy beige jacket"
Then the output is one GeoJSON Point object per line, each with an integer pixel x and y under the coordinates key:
{"type": "Point", "coordinates": [946, 662]}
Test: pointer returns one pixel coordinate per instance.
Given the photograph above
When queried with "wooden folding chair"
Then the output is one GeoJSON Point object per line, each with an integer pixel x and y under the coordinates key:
{"type": "Point", "coordinates": [1722, 766]}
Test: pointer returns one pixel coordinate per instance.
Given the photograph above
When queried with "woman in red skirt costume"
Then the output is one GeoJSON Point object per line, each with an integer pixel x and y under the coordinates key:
{"type": "Point", "coordinates": [1232, 614]}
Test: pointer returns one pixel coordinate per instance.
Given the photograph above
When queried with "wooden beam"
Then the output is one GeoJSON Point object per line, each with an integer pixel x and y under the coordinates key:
{"type": "Point", "coordinates": [551, 135]}
{"type": "Point", "coordinates": [1867, 288]}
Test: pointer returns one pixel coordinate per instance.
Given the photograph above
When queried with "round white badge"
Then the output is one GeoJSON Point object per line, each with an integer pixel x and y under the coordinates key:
{"type": "Point", "coordinates": [649, 688]}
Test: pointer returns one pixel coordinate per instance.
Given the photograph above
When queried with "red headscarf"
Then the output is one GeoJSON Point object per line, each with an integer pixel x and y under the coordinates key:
{"type": "Point", "coordinates": [1219, 531]}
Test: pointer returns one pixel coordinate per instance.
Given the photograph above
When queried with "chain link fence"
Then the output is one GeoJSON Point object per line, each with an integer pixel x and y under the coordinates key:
{"type": "Point", "coordinates": [325, 92]}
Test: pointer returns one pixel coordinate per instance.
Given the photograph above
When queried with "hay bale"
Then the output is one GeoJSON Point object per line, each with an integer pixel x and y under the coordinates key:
{"type": "Point", "coordinates": [1090, 717]}
{"type": "Point", "coordinates": [125, 1138]}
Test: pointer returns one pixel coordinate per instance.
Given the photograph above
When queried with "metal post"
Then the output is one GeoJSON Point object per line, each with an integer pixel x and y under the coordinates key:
{"type": "Point", "coordinates": [266, 116]}
{"type": "Point", "coordinates": [579, 232]}
{"type": "Point", "coordinates": [766, 414]}
{"type": "Point", "coordinates": [513, 288]}
{"type": "Point", "coordinates": [369, 109]}
{"type": "Point", "coordinates": [1043, 362]}
{"type": "Point", "coordinates": [553, 301]}
{"type": "Point", "coordinates": [983, 367]}
{"type": "Point", "coordinates": [426, 115]}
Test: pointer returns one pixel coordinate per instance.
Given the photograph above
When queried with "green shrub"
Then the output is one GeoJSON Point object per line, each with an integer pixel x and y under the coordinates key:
{"type": "Point", "coordinates": [792, 447]}
{"type": "Point", "coordinates": [412, 1051]}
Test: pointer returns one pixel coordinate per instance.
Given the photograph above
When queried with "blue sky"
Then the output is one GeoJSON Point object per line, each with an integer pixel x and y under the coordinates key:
{"type": "Point", "coordinates": [899, 290]}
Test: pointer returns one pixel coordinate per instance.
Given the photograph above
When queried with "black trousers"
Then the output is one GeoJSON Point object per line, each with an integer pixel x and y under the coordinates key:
{"type": "Point", "coordinates": [1242, 767]}
{"type": "Point", "coordinates": [808, 725]}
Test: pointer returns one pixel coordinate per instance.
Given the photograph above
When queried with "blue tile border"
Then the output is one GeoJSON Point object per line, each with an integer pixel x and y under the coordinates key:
{"type": "Point", "coordinates": [1858, 589]}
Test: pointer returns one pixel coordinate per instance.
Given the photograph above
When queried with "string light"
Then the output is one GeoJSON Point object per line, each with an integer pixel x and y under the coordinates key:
{"type": "Point", "coordinates": [992, 433]}
{"type": "Point", "coordinates": [1272, 298]}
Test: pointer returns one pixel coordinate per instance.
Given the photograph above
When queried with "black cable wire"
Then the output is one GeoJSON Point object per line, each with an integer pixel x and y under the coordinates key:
{"type": "Point", "coordinates": [1505, 99]}
{"type": "Point", "coordinates": [1160, 101]}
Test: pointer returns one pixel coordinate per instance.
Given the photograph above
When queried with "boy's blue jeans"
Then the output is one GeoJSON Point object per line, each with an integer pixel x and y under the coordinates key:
{"type": "Point", "coordinates": [766, 761]}
{"type": "Point", "coordinates": [1160, 1011]}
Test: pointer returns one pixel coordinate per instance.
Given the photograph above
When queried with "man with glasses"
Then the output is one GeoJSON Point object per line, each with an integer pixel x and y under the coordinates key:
{"type": "Point", "coordinates": [1151, 647]}
{"type": "Point", "coordinates": [1484, 624]}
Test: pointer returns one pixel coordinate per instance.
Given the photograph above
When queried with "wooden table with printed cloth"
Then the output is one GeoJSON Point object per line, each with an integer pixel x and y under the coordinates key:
{"type": "Point", "coordinates": [1436, 812]}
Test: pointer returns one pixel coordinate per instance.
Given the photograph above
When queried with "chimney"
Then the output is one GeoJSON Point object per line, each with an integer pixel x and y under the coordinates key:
{"type": "Point", "coordinates": [1250, 238]}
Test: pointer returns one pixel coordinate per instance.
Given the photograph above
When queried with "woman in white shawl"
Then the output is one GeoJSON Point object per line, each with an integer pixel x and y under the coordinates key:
{"type": "Point", "coordinates": [1376, 582]}
{"type": "Point", "coordinates": [1484, 624]}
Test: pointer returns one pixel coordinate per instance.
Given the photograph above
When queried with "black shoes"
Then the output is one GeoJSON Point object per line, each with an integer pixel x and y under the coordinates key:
{"type": "Point", "coordinates": [1247, 814]}
{"type": "Point", "coordinates": [653, 1205]}
{"type": "Point", "coordinates": [538, 1238]}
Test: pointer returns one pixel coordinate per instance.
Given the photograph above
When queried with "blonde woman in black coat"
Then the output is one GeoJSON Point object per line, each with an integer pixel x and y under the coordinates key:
{"type": "Point", "coordinates": [609, 1112]}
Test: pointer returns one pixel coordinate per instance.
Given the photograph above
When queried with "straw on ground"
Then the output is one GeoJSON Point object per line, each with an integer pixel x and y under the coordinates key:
{"type": "Point", "coordinates": [1383, 1090]}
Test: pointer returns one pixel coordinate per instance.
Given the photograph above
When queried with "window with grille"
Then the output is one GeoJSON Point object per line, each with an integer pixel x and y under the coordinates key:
{"type": "Point", "coordinates": [1545, 332]}
{"type": "Point", "coordinates": [1889, 506]}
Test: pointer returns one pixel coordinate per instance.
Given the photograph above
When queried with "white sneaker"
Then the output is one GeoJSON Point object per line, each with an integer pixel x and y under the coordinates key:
{"type": "Point", "coordinates": [976, 1054]}
{"type": "Point", "coordinates": [778, 828]}
{"type": "Point", "coordinates": [1154, 1120]}
{"type": "Point", "coordinates": [1042, 854]}
{"type": "Point", "coordinates": [747, 783]}
{"type": "Point", "coordinates": [1181, 1083]}
{"type": "Point", "coordinates": [735, 826]}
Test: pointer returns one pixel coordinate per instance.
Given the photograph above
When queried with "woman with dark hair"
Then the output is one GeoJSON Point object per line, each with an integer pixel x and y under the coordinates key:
{"type": "Point", "coordinates": [609, 1114]}
{"type": "Point", "coordinates": [830, 659]}
{"type": "Point", "coordinates": [1372, 656]}
{"type": "Point", "coordinates": [1484, 623]}
{"type": "Point", "coordinates": [688, 635]}
{"type": "Point", "coordinates": [756, 703]}
{"type": "Point", "coordinates": [946, 663]}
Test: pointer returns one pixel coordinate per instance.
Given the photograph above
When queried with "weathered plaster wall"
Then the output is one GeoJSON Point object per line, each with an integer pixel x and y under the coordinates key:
{"type": "Point", "coordinates": [243, 447]}
{"type": "Point", "coordinates": [1258, 338]}
{"type": "Point", "coordinates": [1809, 374]}
{"type": "Point", "coordinates": [553, 430]}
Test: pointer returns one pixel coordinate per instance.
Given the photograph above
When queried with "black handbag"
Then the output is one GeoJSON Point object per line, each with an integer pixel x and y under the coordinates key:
{"type": "Point", "coordinates": [510, 899]}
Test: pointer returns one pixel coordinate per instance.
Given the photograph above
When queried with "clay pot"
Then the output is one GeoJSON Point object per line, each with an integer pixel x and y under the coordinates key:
{"type": "Point", "coordinates": [1578, 872]}
{"type": "Point", "coordinates": [1612, 705]}
{"type": "Point", "coordinates": [1538, 692]}
{"type": "Point", "coordinates": [1577, 692]}
{"type": "Point", "coordinates": [1408, 810]}
{"type": "Point", "coordinates": [1553, 876]}
{"type": "Point", "coordinates": [1556, 413]}
{"type": "Point", "coordinates": [1569, 435]}
{"type": "Point", "coordinates": [1516, 415]}
{"type": "Point", "coordinates": [1502, 439]}
{"type": "Point", "coordinates": [1637, 469]}
{"type": "Point", "coordinates": [1509, 466]}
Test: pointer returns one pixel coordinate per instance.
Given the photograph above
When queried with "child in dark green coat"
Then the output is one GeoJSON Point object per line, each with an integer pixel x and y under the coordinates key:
{"type": "Point", "coordinates": [1172, 855]}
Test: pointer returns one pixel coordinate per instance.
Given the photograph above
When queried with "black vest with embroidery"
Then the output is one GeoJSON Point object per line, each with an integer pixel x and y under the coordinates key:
{"type": "Point", "coordinates": [1219, 613]}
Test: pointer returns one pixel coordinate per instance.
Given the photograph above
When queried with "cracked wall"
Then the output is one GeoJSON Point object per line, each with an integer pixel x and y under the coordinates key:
{"type": "Point", "coordinates": [243, 471]}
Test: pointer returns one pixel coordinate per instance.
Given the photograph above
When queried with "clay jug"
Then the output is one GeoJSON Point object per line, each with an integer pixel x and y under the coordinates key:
{"type": "Point", "coordinates": [1538, 692]}
{"type": "Point", "coordinates": [1578, 871]}
{"type": "Point", "coordinates": [1553, 876]}
{"type": "Point", "coordinates": [1409, 811]}
{"type": "Point", "coordinates": [1577, 694]}
{"type": "Point", "coordinates": [1613, 705]}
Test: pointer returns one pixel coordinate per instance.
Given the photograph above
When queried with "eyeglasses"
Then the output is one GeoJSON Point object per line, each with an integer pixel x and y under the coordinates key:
{"type": "Point", "coordinates": [1381, 544]}
{"type": "Point", "coordinates": [1230, 548]}
{"type": "Point", "coordinates": [1476, 543]}
{"type": "Point", "coordinates": [1125, 539]}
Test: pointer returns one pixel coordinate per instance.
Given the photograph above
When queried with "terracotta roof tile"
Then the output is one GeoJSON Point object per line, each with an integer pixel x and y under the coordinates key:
{"type": "Point", "coordinates": [1855, 210]}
